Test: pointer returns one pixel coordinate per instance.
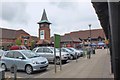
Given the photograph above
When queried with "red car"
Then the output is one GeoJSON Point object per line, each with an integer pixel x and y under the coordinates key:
{"type": "Point", "coordinates": [18, 48]}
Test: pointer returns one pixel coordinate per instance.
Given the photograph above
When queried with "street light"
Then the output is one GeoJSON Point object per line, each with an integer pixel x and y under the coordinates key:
{"type": "Point", "coordinates": [90, 33]}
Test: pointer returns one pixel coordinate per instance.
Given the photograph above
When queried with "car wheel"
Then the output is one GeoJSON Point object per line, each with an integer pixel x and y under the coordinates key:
{"type": "Point", "coordinates": [71, 57]}
{"type": "Point", "coordinates": [29, 69]}
{"type": "Point", "coordinates": [3, 66]}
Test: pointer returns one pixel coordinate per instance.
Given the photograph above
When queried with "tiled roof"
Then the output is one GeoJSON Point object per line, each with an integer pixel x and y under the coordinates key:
{"type": "Point", "coordinates": [34, 38]}
{"type": "Point", "coordinates": [44, 18]}
{"type": "Point", "coordinates": [95, 33]}
{"type": "Point", "coordinates": [7, 33]}
{"type": "Point", "coordinates": [11, 34]}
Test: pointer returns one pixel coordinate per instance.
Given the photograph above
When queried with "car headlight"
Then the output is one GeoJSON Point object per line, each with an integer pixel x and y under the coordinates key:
{"type": "Point", "coordinates": [35, 62]}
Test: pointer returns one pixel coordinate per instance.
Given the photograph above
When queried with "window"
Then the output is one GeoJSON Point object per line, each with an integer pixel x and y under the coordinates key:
{"type": "Point", "coordinates": [40, 50]}
{"type": "Point", "coordinates": [34, 50]}
{"type": "Point", "coordinates": [9, 55]}
{"type": "Point", "coordinates": [47, 50]}
{"type": "Point", "coordinates": [17, 55]}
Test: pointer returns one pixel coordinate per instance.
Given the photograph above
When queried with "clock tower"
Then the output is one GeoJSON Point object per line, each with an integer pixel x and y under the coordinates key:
{"type": "Point", "coordinates": [44, 27]}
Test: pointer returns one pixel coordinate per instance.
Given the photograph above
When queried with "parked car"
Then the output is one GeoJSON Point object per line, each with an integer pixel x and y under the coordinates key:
{"type": "Point", "coordinates": [72, 54]}
{"type": "Point", "coordinates": [48, 52]}
{"type": "Point", "coordinates": [16, 47]}
{"type": "Point", "coordinates": [79, 53]}
{"type": "Point", "coordinates": [24, 60]}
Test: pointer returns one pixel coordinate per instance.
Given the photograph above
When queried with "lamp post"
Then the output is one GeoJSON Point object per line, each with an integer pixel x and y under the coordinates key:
{"type": "Point", "coordinates": [90, 33]}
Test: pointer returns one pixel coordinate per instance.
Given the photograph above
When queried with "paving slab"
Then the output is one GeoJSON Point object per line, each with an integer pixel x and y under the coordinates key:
{"type": "Point", "coordinates": [96, 67]}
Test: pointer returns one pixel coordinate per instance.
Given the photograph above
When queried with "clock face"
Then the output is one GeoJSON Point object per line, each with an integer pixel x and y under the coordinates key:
{"type": "Point", "coordinates": [42, 25]}
{"type": "Point", "coordinates": [46, 25]}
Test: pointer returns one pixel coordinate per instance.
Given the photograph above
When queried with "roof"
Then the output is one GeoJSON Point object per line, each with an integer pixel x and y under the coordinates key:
{"type": "Point", "coordinates": [95, 33]}
{"type": "Point", "coordinates": [44, 18]}
{"type": "Point", "coordinates": [7, 33]}
{"type": "Point", "coordinates": [18, 32]}
{"type": "Point", "coordinates": [82, 34]}
{"type": "Point", "coordinates": [69, 38]}
{"type": "Point", "coordinates": [102, 13]}
{"type": "Point", "coordinates": [34, 38]}
{"type": "Point", "coordinates": [10, 33]}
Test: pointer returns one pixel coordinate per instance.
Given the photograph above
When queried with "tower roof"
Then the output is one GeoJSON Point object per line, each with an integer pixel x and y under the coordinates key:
{"type": "Point", "coordinates": [44, 18]}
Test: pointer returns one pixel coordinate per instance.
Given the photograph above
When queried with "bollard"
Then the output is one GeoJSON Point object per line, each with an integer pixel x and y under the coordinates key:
{"type": "Point", "coordinates": [13, 70]}
{"type": "Point", "coordinates": [2, 74]}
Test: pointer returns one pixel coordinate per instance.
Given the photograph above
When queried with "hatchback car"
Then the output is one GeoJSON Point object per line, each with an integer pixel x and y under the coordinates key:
{"type": "Point", "coordinates": [48, 52]}
{"type": "Point", "coordinates": [24, 60]}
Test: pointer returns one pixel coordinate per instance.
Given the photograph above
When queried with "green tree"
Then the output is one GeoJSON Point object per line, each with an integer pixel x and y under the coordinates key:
{"type": "Point", "coordinates": [32, 44]}
{"type": "Point", "coordinates": [18, 42]}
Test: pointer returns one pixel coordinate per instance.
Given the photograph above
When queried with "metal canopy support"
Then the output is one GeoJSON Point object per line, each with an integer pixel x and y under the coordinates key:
{"type": "Point", "coordinates": [114, 11]}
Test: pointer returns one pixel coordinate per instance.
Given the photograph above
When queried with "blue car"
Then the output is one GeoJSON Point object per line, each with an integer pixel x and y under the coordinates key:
{"type": "Point", "coordinates": [24, 60]}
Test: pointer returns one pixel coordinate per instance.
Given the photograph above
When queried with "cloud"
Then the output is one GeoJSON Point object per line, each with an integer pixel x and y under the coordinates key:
{"type": "Point", "coordinates": [14, 12]}
{"type": "Point", "coordinates": [64, 16]}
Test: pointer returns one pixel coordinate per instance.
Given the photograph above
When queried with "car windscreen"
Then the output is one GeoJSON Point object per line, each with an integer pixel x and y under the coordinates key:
{"type": "Point", "coordinates": [29, 54]}
{"type": "Point", "coordinates": [71, 49]}
{"type": "Point", "coordinates": [34, 50]}
{"type": "Point", "coordinates": [57, 50]}
{"type": "Point", "coordinates": [68, 50]}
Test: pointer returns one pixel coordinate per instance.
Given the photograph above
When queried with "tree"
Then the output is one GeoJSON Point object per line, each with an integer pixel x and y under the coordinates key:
{"type": "Point", "coordinates": [18, 42]}
{"type": "Point", "coordinates": [32, 44]}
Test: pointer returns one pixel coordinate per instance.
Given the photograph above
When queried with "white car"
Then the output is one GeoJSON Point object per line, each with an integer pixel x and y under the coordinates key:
{"type": "Point", "coordinates": [79, 53]}
{"type": "Point", "coordinates": [48, 52]}
{"type": "Point", "coordinates": [72, 54]}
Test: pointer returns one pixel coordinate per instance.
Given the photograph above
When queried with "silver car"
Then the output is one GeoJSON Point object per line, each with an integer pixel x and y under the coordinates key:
{"type": "Point", "coordinates": [24, 60]}
{"type": "Point", "coordinates": [72, 54]}
{"type": "Point", "coordinates": [79, 53]}
{"type": "Point", "coordinates": [48, 52]}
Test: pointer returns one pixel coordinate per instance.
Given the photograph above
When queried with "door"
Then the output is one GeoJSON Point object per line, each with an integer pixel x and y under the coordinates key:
{"type": "Point", "coordinates": [48, 54]}
{"type": "Point", "coordinates": [8, 59]}
{"type": "Point", "coordinates": [20, 60]}
{"type": "Point", "coordinates": [39, 51]}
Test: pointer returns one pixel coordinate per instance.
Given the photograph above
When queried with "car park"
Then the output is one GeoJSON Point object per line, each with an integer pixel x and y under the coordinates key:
{"type": "Point", "coordinates": [48, 52]}
{"type": "Point", "coordinates": [72, 54]}
{"type": "Point", "coordinates": [24, 60]}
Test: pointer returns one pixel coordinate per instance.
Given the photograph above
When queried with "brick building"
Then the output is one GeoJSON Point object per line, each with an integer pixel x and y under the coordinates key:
{"type": "Point", "coordinates": [9, 37]}
{"type": "Point", "coordinates": [44, 30]}
{"type": "Point", "coordinates": [77, 38]}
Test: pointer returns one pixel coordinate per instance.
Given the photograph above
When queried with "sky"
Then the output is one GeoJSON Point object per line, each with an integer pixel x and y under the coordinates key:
{"type": "Point", "coordinates": [65, 15]}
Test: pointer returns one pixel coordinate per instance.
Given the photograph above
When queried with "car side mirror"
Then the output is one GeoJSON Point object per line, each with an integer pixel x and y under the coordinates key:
{"type": "Point", "coordinates": [51, 52]}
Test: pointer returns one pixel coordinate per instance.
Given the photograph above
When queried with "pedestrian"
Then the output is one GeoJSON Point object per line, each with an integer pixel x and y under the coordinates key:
{"type": "Point", "coordinates": [88, 53]}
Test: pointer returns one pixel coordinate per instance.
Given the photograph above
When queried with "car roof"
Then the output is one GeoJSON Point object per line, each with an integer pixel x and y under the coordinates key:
{"type": "Point", "coordinates": [44, 47]}
{"type": "Point", "coordinates": [20, 50]}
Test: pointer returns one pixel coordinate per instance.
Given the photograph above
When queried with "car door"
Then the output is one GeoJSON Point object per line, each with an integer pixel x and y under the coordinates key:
{"type": "Point", "coordinates": [8, 59]}
{"type": "Point", "coordinates": [20, 60]}
{"type": "Point", "coordinates": [48, 54]}
{"type": "Point", "coordinates": [39, 51]}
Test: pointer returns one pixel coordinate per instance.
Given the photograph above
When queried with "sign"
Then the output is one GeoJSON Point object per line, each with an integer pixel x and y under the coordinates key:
{"type": "Point", "coordinates": [57, 41]}
{"type": "Point", "coordinates": [42, 34]}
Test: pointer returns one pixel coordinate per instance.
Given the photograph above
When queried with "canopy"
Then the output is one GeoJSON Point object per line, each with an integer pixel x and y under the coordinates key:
{"type": "Point", "coordinates": [101, 44]}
